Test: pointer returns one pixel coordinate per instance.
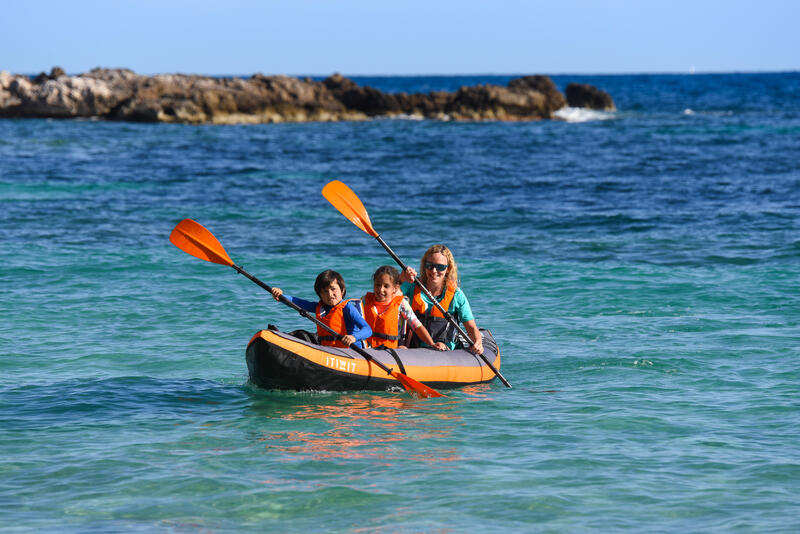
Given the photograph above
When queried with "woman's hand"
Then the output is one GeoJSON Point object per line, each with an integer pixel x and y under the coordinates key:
{"type": "Point", "coordinates": [477, 347]}
{"type": "Point", "coordinates": [475, 335]}
{"type": "Point", "coordinates": [408, 275]}
{"type": "Point", "coordinates": [440, 346]}
{"type": "Point", "coordinates": [348, 339]}
{"type": "Point", "coordinates": [276, 293]}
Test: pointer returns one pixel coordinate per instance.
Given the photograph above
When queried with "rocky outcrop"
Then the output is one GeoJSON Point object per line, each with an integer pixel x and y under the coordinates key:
{"type": "Point", "coordinates": [580, 95]}
{"type": "Point", "coordinates": [121, 94]}
{"type": "Point", "coordinates": [55, 72]}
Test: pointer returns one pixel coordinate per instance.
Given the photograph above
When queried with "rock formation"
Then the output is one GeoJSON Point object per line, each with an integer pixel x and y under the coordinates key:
{"type": "Point", "coordinates": [581, 95]}
{"type": "Point", "coordinates": [121, 94]}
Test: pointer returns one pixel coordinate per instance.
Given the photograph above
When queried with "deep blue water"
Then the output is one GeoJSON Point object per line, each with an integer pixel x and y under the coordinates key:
{"type": "Point", "coordinates": [638, 268]}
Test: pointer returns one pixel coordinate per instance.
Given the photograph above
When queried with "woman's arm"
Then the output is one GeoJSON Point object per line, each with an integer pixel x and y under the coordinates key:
{"type": "Point", "coordinates": [475, 335]}
{"type": "Point", "coordinates": [463, 311]}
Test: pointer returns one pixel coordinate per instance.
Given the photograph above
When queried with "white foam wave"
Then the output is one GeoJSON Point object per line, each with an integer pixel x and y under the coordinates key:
{"type": "Point", "coordinates": [722, 113]}
{"type": "Point", "coordinates": [410, 117]}
{"type": "Point", "coordinates": [582, 115]}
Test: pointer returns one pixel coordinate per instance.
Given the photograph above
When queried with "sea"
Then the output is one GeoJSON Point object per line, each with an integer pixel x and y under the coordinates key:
{"type": "Point", "coordinates": [639, 269]}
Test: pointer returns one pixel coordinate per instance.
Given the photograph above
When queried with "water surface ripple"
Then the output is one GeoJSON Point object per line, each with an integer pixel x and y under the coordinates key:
{"type": "Point", "coordinates": [639, 270]}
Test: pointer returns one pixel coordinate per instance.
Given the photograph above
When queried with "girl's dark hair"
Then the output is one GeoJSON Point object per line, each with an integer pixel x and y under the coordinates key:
{"type": "Point", "coordinates": [325, 278]}
{"type": "Point", "coordinates": [393, 273]}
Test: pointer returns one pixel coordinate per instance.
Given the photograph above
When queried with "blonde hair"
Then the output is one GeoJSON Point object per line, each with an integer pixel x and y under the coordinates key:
{"type": "Point", "coordinates": [452, 267]}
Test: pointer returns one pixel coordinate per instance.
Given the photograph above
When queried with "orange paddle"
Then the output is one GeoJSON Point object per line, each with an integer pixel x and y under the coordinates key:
{"type": "Point", "coordinates": [193, 238]}
{"type": "Point", "coordinates": [344, 200]}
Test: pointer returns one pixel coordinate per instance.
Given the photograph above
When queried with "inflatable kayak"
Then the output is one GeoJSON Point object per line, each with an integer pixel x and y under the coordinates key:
{"type": "Point", "coordinates": [279, 360]}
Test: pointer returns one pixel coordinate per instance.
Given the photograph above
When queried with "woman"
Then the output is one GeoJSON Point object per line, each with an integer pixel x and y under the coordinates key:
{"type": "Point", "coordinates": [439, 274]}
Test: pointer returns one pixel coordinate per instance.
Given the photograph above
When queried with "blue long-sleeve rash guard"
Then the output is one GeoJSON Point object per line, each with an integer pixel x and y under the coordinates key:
{"type": "Point", "coordinates": [353, 320]}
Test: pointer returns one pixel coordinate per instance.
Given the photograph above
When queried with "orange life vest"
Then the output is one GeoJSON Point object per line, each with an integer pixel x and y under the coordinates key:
{"type": "Point", "coordinates": [334, 318]}
{"type": "Point", "coordinates": [386, 326]}
{"type": "Point", "coordinates": [434, 321]}
{"type": "Point", "coordinates": [420, 307]}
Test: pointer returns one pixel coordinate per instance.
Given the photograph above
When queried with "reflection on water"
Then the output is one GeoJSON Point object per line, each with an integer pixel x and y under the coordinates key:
{"type": "Point", "coordinates": [362, 426]}
{"type": "Point", "coordinates": [352, 445]}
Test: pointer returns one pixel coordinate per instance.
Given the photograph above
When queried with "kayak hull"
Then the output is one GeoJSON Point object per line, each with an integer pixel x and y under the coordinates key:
{"type": "Point", "coordinates": [278, 360]}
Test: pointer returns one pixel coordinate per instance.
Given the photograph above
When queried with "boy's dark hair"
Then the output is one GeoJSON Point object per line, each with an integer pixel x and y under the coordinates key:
{"type": "Point", "coordinates": [393, 273]}
{"type": "Point", "coordinates": [325, 278]}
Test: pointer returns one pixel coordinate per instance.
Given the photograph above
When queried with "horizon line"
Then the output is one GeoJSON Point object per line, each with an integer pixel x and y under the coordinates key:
{"type": "Point", "coordinates": [690, 72]}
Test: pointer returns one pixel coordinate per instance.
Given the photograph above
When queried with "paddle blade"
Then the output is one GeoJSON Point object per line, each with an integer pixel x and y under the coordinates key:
{"type": "Point", "coordinates": [417, 388]}
{"type": "Point", "coordinates": [192, 238]}
{"type": "Point", "coordinates": [344, 200]}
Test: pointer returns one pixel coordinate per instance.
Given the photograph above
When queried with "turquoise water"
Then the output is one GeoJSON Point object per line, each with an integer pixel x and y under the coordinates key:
{"type": "Point", "coordinates": [638, 269]}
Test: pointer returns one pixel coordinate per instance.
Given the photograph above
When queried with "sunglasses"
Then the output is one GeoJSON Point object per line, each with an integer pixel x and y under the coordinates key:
{"type": "Point", "coordinates": [441, 267]}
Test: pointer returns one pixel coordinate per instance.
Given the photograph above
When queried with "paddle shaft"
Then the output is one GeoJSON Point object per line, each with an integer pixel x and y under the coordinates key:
{"type": "Point", "coordinates": [446, 314]}
{"type": "Point", "coordinates": [307, 315]}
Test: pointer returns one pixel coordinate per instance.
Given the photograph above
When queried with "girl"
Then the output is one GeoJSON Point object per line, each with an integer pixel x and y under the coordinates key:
{"type": "Point", "coordinates": [440, 275]}
{"type": "Point", "coordinates": [341, 315]}
{"type": "Point", "coordinates": [387, 311]}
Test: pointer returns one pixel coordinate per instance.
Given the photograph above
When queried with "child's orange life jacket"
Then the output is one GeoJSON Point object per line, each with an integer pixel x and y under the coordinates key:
{"type": "Point", "coordinates": [335, 320]}
{"type": "Point", "coordinates": [386, 326]}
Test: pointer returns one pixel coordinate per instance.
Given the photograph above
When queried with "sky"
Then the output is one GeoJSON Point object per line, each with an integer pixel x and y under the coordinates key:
{"type": "Point", "coordinates": [400, 37]}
